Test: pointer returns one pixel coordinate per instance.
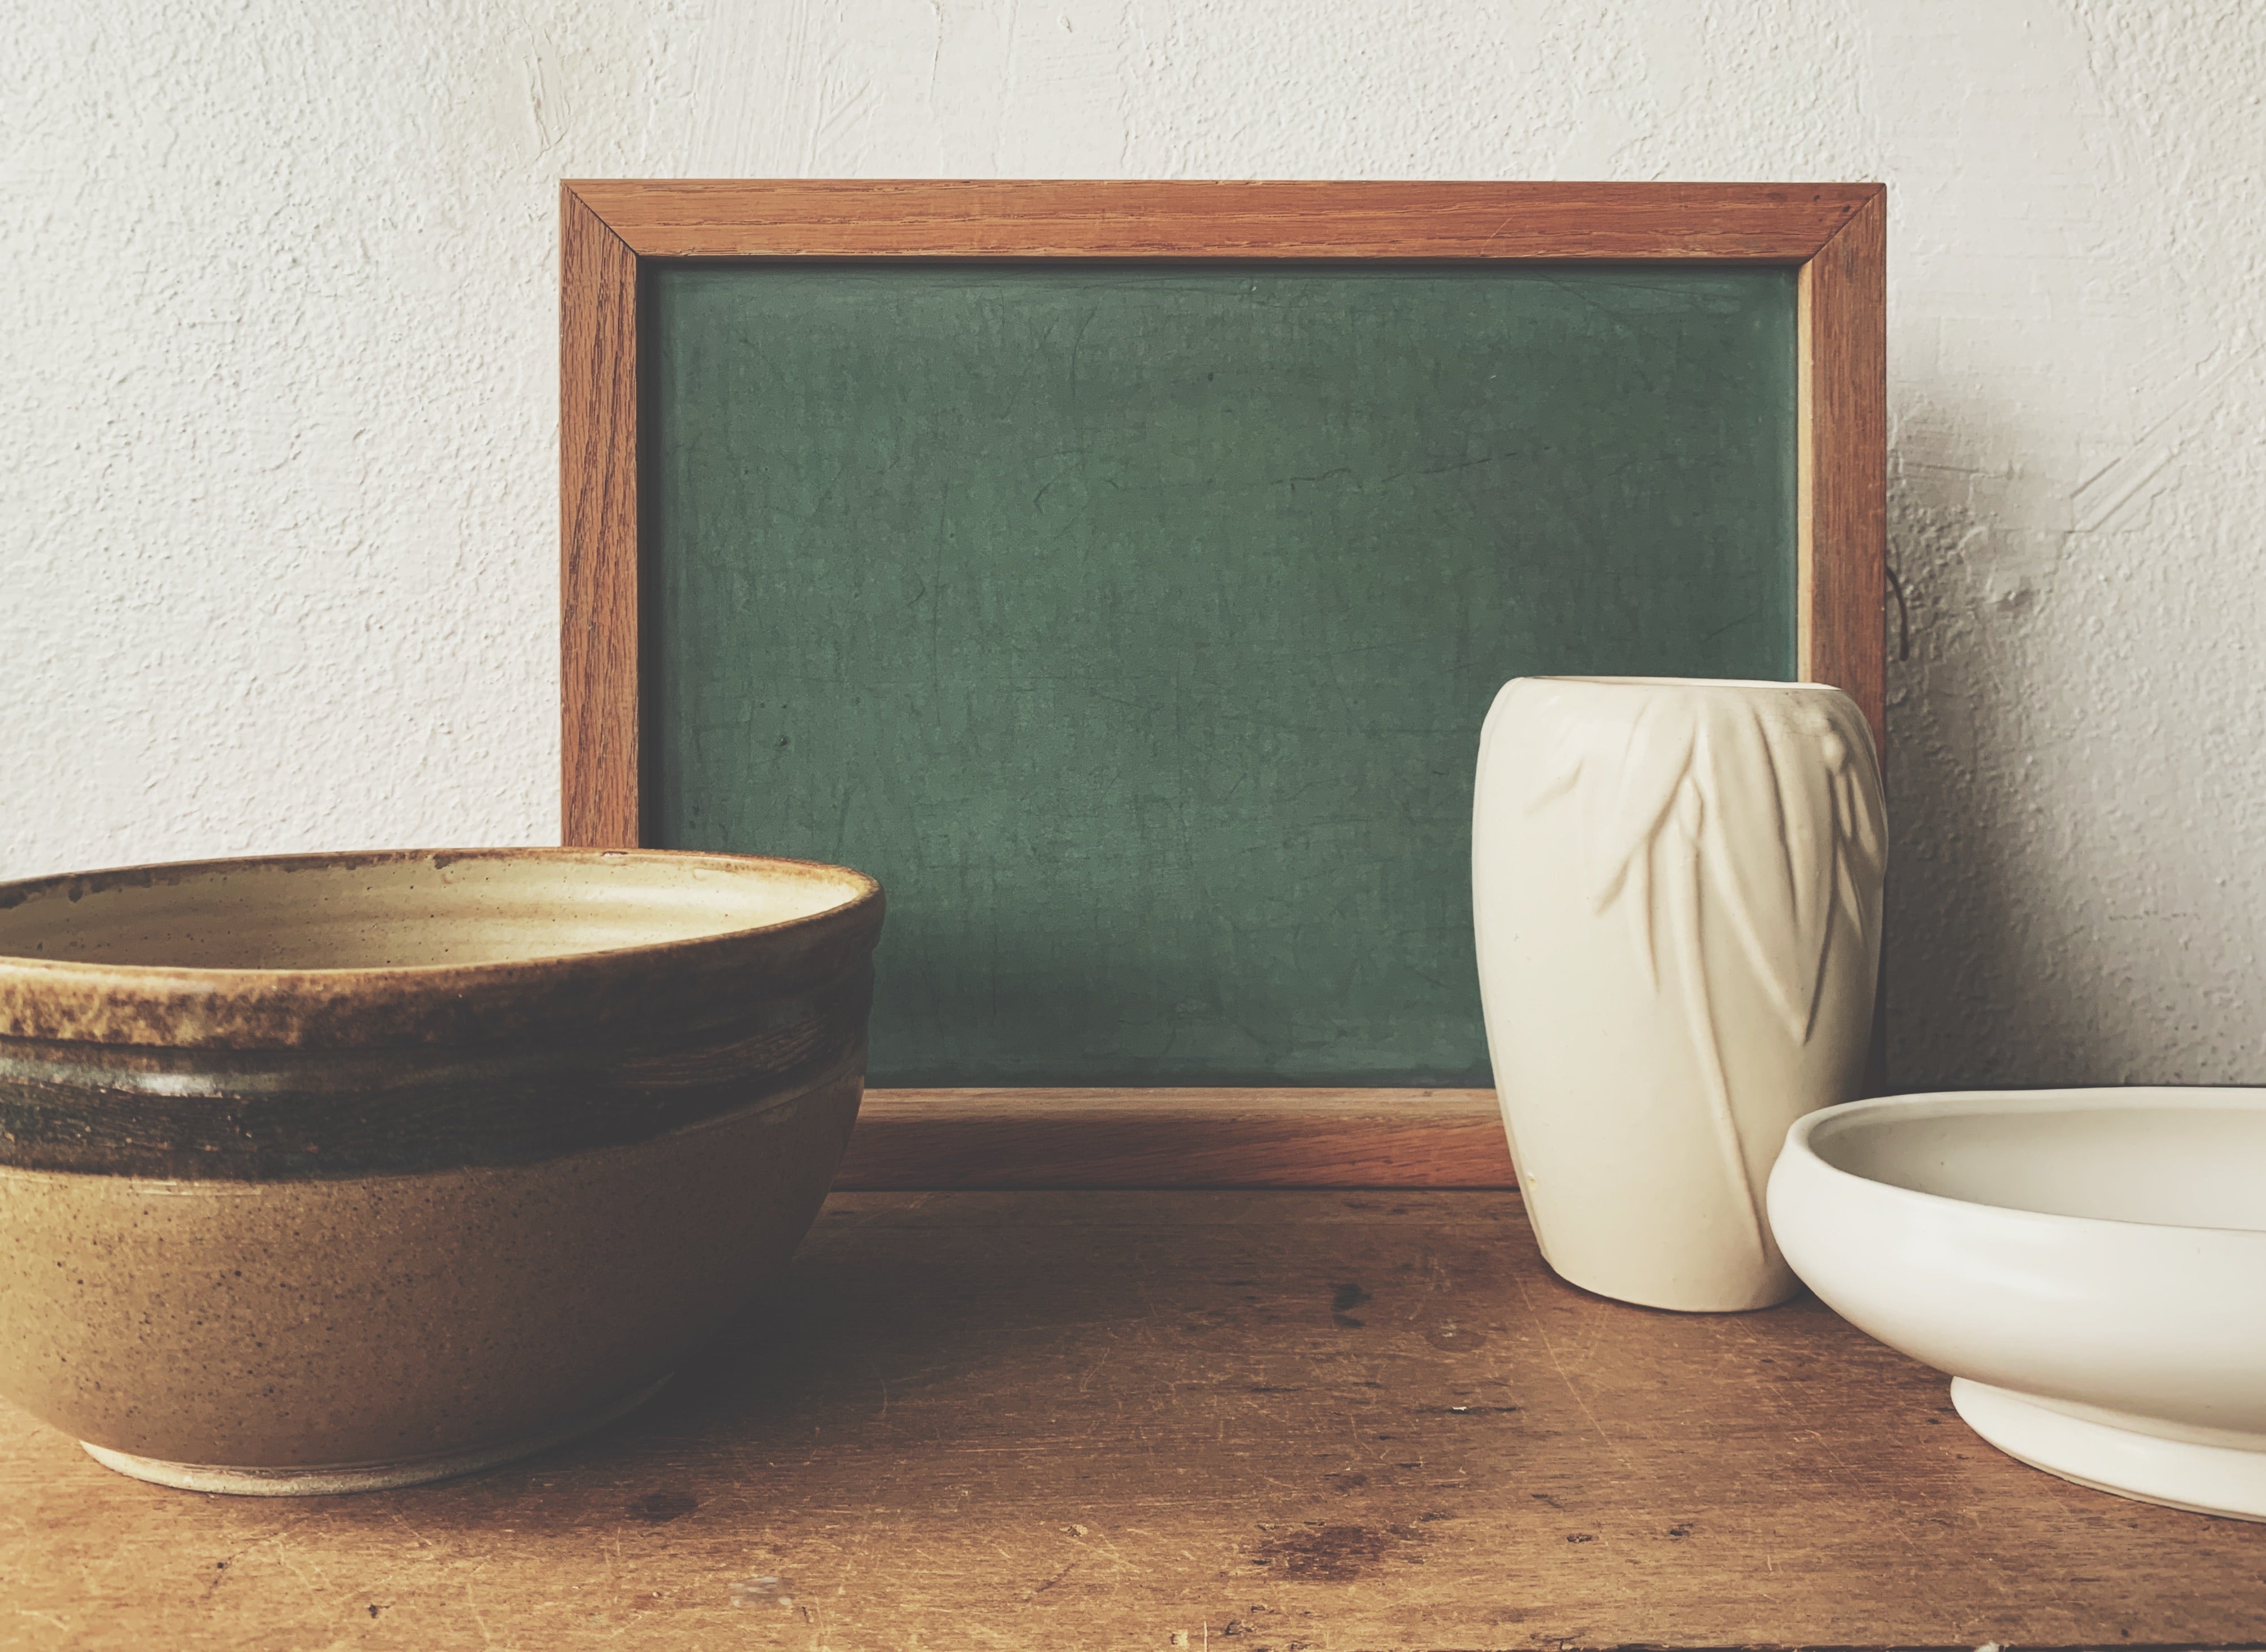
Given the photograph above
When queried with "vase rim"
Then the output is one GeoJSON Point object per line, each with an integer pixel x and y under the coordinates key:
{"type": "Point", "coordinates": [1681, 682]}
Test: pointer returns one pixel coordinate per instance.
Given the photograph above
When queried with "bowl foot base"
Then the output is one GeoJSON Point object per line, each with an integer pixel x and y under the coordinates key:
{"type": "Point", "coordinates": [2212, 1480]}
{"type": "Point", "coordinates": [325, 1480]}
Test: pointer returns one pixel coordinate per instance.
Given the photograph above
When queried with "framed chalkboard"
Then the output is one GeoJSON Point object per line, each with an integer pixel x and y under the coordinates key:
{"type": "Point", "coordinates": [1121, 571]}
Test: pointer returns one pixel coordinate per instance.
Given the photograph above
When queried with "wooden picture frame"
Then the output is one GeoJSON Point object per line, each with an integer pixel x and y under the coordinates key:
{"type": "Point", "coordinates": [1833, 235]}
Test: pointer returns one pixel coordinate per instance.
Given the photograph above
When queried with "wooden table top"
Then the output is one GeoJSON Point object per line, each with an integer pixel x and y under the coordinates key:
{"type": "Point", "coordinates": [1277, 1421]}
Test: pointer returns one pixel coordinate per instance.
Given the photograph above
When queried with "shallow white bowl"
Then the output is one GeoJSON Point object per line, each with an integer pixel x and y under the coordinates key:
{"type": "Point", "coordinates": [2088, 1265]}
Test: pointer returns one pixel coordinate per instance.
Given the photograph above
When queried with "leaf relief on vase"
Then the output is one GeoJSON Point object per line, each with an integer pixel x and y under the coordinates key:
{"type": "Point", "coordinates": [1753, 805]}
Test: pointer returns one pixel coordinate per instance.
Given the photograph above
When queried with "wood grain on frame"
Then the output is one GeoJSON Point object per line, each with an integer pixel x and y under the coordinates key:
{"type": "Point", "coordinates": [1755, 223]}
{"type": "Point", "coordinates": [1844, 424]}
{"type": "Point", "coordinates": [598, 531]}
{"type": "Point", "coordinates": [1833, 233]}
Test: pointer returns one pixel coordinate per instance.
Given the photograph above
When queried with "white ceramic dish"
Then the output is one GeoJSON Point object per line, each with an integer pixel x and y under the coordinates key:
{"type": "Point", "coordinates": [2088, 1265]}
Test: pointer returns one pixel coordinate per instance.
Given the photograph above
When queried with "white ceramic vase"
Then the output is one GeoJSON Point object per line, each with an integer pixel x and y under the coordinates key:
{"type": "Point", "coordinates": [1676, 888]}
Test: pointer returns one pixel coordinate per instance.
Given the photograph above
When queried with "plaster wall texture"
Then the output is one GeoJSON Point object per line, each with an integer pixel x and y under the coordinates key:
{"type": "Point", "coordinates": [279, 538]}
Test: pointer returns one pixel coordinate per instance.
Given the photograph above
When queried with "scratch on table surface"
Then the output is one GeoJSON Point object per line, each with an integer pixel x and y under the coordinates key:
{"type": "Point", "coordinates": [227, 1564]}
{"type": "Point", "coordinates": [989, 1636]}
{"type": "Point", "coordinates": [316, 1586]}
{"type": "Point", "coordinates": [1590, 1345]}
{"type": "Point", "coordinates": [1353, 1421]}
{"type": "Point", "coordinates": [1767, 1388]}
{"type": "Point", "coordinates": [1057, 1578]}
{"type": "Point", "coordinates": [1551, 1349]}
{"type": "Point", "coordinates": [1086, 1377]}
{"type": "Point", "coordinates": [44, 1617]}
{"type": "Point", "coordinates": [472, 1604]}
{"type": "Point", "coordinates": [1110, 1552]}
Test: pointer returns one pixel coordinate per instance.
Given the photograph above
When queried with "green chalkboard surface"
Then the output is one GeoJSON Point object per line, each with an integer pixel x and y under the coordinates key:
{"type": "Point", "coordinates": [1135, 624]}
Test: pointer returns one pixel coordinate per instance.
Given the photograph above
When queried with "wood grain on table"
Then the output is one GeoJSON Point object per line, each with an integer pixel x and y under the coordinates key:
{"type": "Point", "coordinates": [1285, 1420]}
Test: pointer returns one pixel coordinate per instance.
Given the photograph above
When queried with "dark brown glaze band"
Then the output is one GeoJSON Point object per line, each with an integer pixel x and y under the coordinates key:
{"type": "Point", "coordinates": [592, 998]}
{"type": "Point", "coordinates": [273, 1116]}
{"type": "Point", "coordinates": [265, 1074]}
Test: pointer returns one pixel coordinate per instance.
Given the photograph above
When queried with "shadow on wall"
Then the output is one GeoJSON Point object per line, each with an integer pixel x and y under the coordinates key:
{"type": "Point", "coordinates": [2069, 736]}
{"type": "Point", "coordinates": [1982, 990]}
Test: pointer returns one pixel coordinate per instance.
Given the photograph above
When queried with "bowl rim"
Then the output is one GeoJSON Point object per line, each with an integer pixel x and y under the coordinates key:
{"type": "Point", "coordinates": [1942, 1103]}
{"type": "Point", "coordinates": [861, 889]}
{"type": "Point", "coordinates": [51, 1000]}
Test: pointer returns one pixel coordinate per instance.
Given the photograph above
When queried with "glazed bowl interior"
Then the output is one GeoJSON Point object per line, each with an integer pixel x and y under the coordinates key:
{"type": "Point", "coordinates": [2188, 1163]}
{"type": "Point", "coordinates": [408, 910]}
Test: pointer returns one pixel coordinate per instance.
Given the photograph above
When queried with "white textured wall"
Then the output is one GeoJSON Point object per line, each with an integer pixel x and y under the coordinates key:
{"type": "Point", "coordinates": [277, 555]}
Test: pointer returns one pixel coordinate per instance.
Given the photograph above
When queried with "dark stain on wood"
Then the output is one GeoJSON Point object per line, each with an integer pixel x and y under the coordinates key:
{"type": "Point", "coordinates": [1333, 1554]}
{"type": "Point", "coordinates": [659, 1507]}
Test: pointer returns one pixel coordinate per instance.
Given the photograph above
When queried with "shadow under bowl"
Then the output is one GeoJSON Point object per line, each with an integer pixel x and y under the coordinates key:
{"type": "Point", "coordinates": [323, 1173]}
{"type": "Point", "coordinates": [2089, 1266]}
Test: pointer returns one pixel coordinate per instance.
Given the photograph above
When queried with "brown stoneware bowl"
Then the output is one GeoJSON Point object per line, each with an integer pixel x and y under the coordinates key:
{"type": "Point", "coordinates": [337, 1172]}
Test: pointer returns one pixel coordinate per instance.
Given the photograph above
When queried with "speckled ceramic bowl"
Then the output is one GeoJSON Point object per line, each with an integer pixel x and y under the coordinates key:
{"type": "Point", "coordinates": [338, 1172]}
